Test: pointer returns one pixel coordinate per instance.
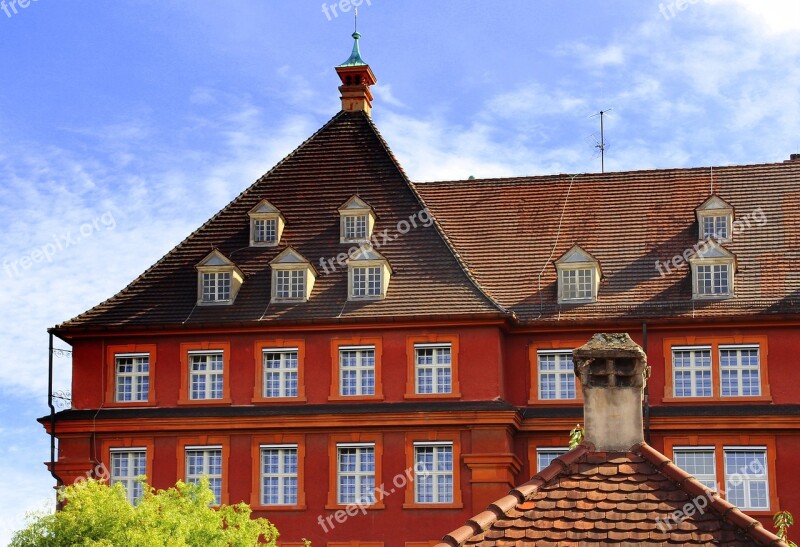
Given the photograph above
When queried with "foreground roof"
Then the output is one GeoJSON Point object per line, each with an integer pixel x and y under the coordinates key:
{"type": "Point", "coordinates": [509, 232]}
{"type": "Point", "coordinates": [346, 157]}
{"type": "Point", "coordinates": [614, 498]}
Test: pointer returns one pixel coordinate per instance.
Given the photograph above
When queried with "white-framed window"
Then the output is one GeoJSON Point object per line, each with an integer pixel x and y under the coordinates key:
{"type": "Point", "coordinates": [218, 280]}
{"type": "Point", "coordinates": [577, 284]}
{"type": "Point", "coordinates": [746, 480]}
{"type": "Point", "coordinates": [715, 226]}
{"type": "Point", "coordinates": [265, 230]}
{"type": "Point", "coordinates": [355, 227]}
{"type": "Point", "coordinates": [205, 461]}
{"type": "Point", "coordinates": [290, 284]}
{"type": "Point", "coordinates": [713, 279]}
{"type": "Point", "coordinates": [206, 375]}
{"type": "Point", "coordinates": [556, 375]}
{"type": "Point", "coordinates": [740, 371]}
{"type": "Point", "coordinates": [545, 456]}
{"type": "Point", "coordinates": [133, 377]}
{"type": "Point", "coordinates": [357, 370]}
{"type": "Point", "coordinates": [433, 364]}
{"type": "Point", "coordinates": [266, 225]}
{"type": "Point", "coordinates": [367, 281]}
{"type": "Point", "coordinates": [216, 286]}
{"type": "Point", "coordinates": [433, 472]}
{"type": "Point", "coordinates": [280, 372]}
{"type": "Point", "coordinates": [279, 474]}
{"type": "Point", "coordinates": [698, 461]}
{"type": "Point", "coordinates": [128, 466]}
{"type": "Point", "coordinates": [691, 371]}
{"type": "Point", "coordinates": [355, 473]}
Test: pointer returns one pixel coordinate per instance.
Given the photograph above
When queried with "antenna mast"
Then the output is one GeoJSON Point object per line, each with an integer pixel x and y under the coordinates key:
{"type": "Point", "coordinates": [602, 145]}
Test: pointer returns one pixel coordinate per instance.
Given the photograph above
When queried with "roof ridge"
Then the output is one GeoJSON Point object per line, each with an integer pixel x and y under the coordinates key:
{"type": "Point", "coordinates": [519, 496]}
{"type": "Point", "coordinates": [694, 488]}
{"type": "Point", "coordinates": [241, 194]}
{"type": "Point", "coordinates": [439, 230]}
{"type": "Point", "coordinates": [612, 174]}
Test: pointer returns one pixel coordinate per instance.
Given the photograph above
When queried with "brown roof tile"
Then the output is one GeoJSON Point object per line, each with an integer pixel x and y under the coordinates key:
{"type": "Point", "coordinates": [629, 511]}
{"type": "Point", "coordinates": [508, 231]}
{"type": "Point", "coordinates": [346, 157]}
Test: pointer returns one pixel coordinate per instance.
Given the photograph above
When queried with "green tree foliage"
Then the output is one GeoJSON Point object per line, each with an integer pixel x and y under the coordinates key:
{"type": "Point", "coordinates": [575, 436]}
{"type": "Point", "coordinates": [782, 521]}
{"type": "Point", "coordinates": [98, 515]}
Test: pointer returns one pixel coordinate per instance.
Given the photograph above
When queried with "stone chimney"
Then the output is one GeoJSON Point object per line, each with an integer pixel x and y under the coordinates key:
{"type": "Point", "coordinates": [613, 371]}
{"type": "Point", "coordinates": [356, 76]}
{"type": "Point", "coordinates": [792, 158]}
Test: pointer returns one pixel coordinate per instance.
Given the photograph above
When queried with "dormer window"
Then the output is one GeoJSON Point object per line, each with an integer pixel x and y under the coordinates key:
{"type": "Point", "coordinates": [266, 225]}
{"type": "Point", "coordinates": [368, 275]}
{"type": "Point", "coordinates": [715, 217]}
{"type": "Point", "coordinates": [292, 277]}
{"type": "Point", "coordinates": [713, 270]}
{"type": "Point", "coordinates": [357, 221]}
{"type": "Point", "coordinates": [218, 279]}
{"type": "Point", "coordinates": [578, 277]}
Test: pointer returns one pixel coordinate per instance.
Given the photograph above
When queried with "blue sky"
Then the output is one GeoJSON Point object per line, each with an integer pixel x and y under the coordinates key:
{"type": "Point", "coordinates": [125, 125]}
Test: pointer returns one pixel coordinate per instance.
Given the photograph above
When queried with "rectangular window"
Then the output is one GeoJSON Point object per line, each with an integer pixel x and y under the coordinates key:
{"type": "Point", "coordinates": [556, 375]}
{"type": "Point", "coordinates": [279, 474]}
{"type": "Point", "coordinates": [355, 475]}
{"type": "Point", "coordinates": [290, 284]}
{"type": "Point", "coordinates": [716, 227]}
{"type": "Point", "coordinates": [433, 364]}
{"type": "Point", "coordinates": [265, 230]}
{"type": "Point", "coordinates": [698, 461]}
{"type": "Point", "coordinates": [280, 373]}
{"type": "Point", "coordinates": [576, 284]}
{"type": "Point", "coordinates": [127, 467]}
{"type": "Point", "coordinates": [433, 472]}
{"type": "Point", "coordinates": [746, 483]}
{"type": "Point", "coordinates": [713, 279]}
{"type": "Point", "coordinates": [206, 375]}
{"type": "Point", "coordinates": [545, 456]}
{"type": "Point", "coordinates": [357, 371]}
{"type": "Point", "coordinates": [367, 281]}
{"type": "Point", "coordinates": [691, 369]}
{"type": "Point", "coordinates": [216, 286]}
{"type": "Point", "coordinates": [206, 462]}
{"type": "Point", "coordinates": [739, 371]}
{"type": "Point", "coordinates": [355, 227]}
{"type": "Point", "coordinates": [133, 377]}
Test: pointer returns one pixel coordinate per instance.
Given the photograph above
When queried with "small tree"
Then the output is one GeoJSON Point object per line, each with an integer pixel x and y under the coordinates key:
{"type": "Point", "coordinates": [782, 521]}
{"type": "Point", "coordinates": [97, 514]}
{"type": "Point", "coordinates": [576, 436]}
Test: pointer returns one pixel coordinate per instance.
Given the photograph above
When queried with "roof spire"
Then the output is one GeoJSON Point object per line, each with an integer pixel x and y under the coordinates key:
{"type": "Point", "coordinates": [356, 78]}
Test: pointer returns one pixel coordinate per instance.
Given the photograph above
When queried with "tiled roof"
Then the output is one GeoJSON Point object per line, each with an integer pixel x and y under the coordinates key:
{"type": "Point", "coordinates": [510, 231]}
{"type": "Point", "coordinates": [586, 497]}
{"type": "Point", "coordinates": [346, 157]}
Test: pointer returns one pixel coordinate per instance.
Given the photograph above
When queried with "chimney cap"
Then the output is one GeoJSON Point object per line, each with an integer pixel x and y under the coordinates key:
{"type": "Point", "coordinates": [615, 344]}
{"type": "Point", "coordinates": [794, 157]}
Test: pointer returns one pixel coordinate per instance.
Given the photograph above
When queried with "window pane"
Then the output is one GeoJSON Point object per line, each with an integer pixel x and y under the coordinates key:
{"type": "Point", "coordinates": [700, 463]}
{"type": "Point", "coordinates": [556, 375]}
{"type": "Point", "coordinates": [433, 366]}
{"type": "Point", "coordinates": [433, 470]}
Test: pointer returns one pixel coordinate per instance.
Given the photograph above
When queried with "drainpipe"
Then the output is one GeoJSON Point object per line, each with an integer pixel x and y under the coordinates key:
{"type": "Point", "coordinates": [646, 390]}
{"type": "Point", "coordinates": [52, 415]}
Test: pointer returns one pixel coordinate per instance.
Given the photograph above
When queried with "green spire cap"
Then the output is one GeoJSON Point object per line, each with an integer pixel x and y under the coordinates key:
{"type": "Point", "coordinates": [355, 57]}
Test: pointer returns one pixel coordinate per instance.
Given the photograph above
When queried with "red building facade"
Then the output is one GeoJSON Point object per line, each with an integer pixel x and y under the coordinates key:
{"type": "Point", "coordinates": [369, 361]}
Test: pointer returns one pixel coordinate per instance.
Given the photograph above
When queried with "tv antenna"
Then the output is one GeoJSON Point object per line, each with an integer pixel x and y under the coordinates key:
{"type": "Point", "coordinates": [602, 145]}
